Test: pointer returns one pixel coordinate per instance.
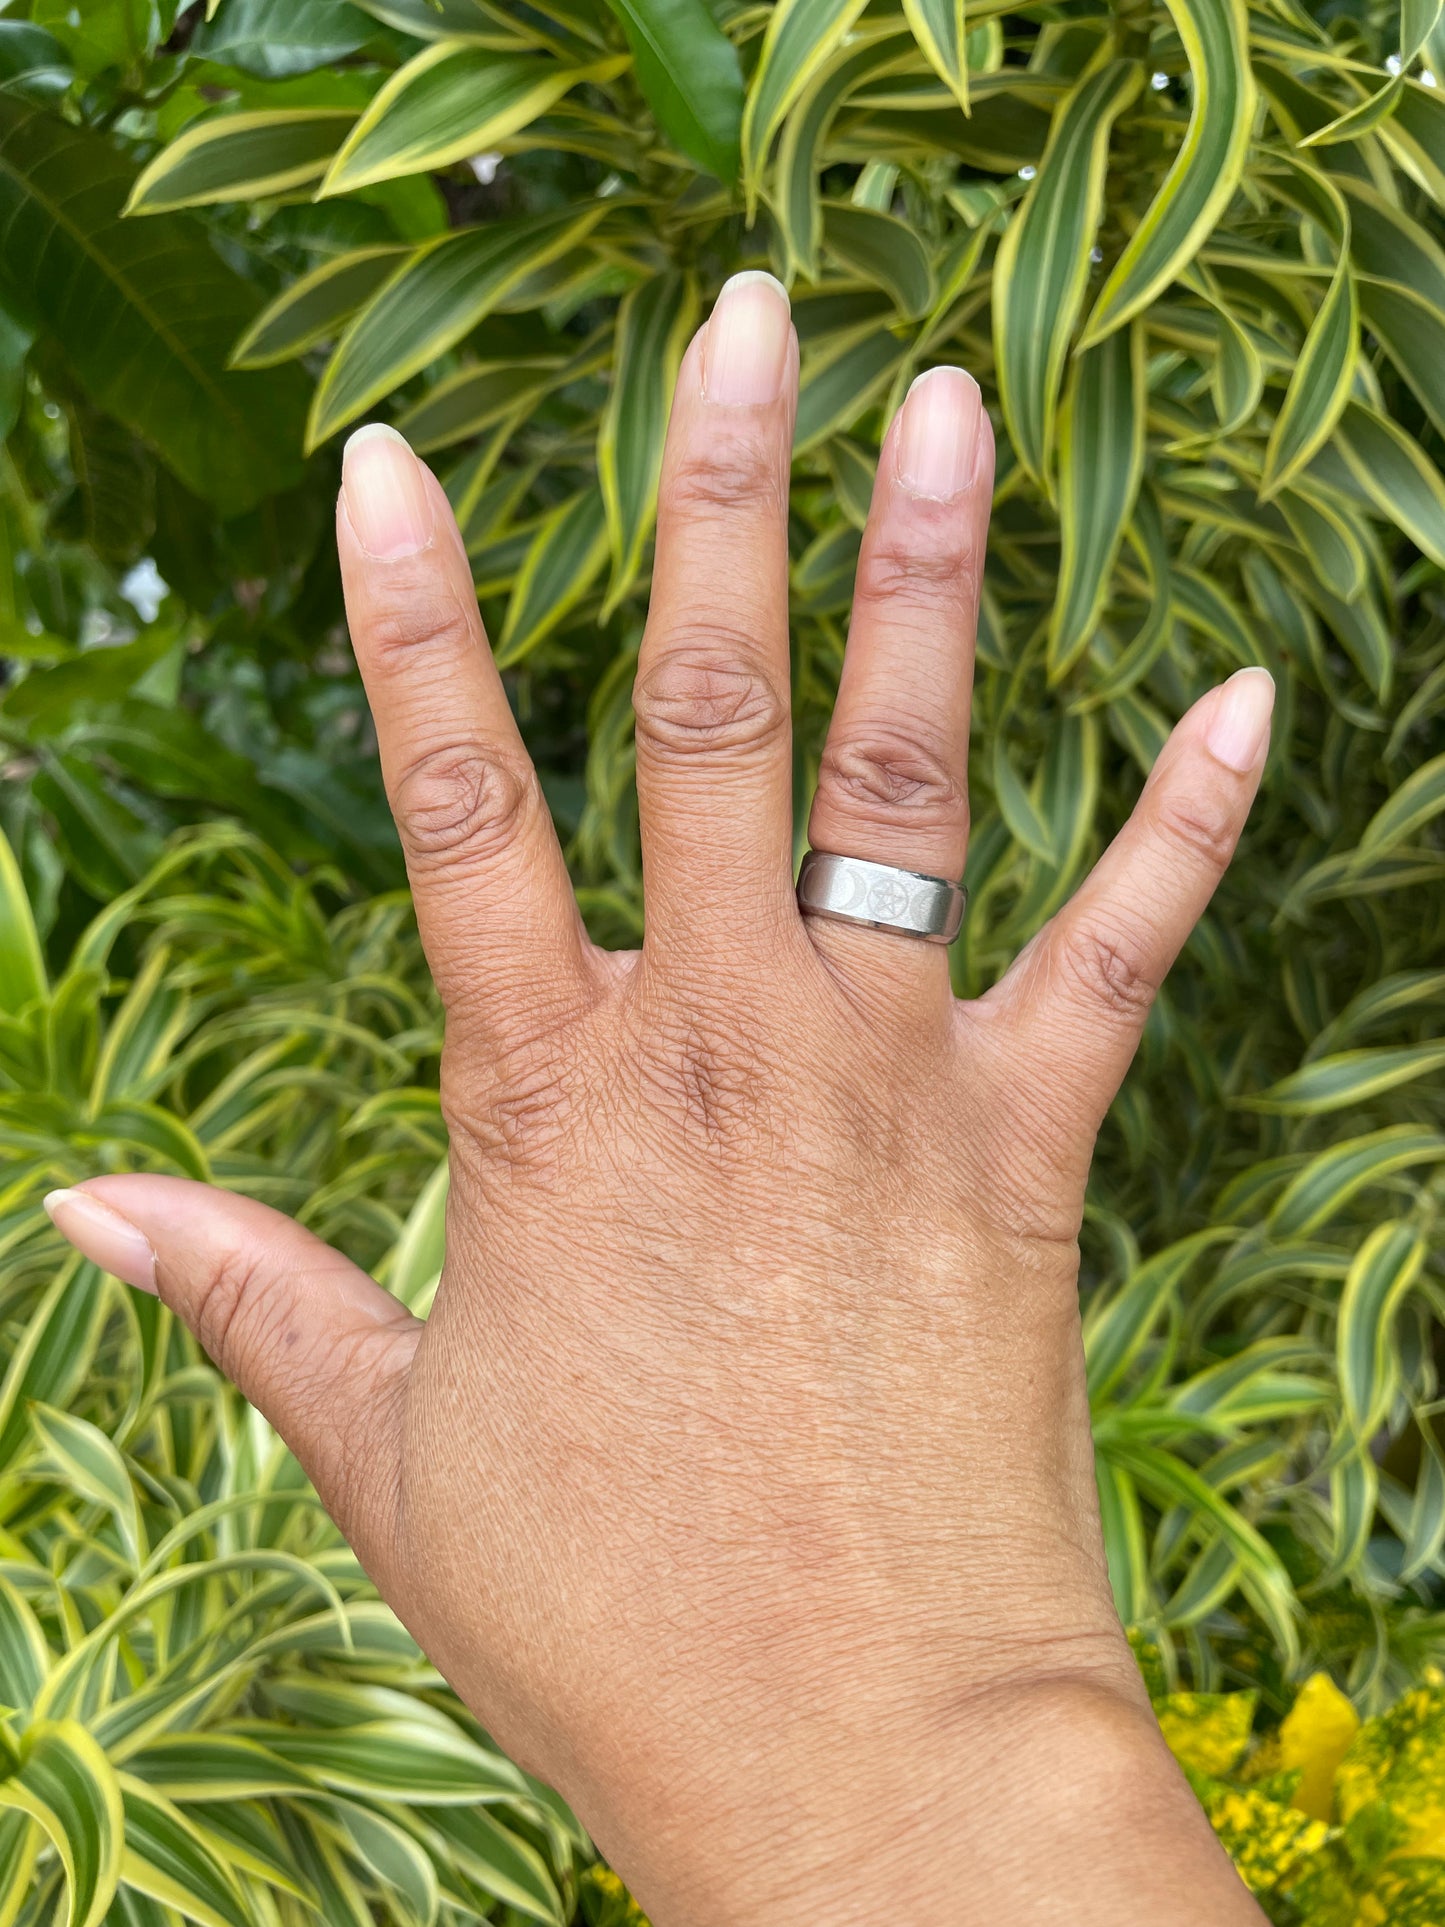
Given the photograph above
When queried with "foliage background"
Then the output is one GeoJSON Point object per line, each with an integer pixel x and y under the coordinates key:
{"type": "Point", "coordinates": [1193, 253]}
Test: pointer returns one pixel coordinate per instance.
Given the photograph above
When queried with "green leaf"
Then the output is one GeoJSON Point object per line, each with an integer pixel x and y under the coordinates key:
{"type": "Point", "coordinates": [65, 1784]}
{"type": "Point", "coordinates": [277, 38]}
{"type": "Point", "coordinates": [1386, 1266]}
{"type": "Point", "coordinates": [1396, 474]}
{"type": "Point", "coordinates": [431, 304]}
{"type": "Point", "coordinates": [1418, 801]}
{"type": "Point", "coordinates": [938, 27]}
{"type": "Point", "coordinates": [1362, 118]}
{"type": "Point", "coordinates": [167, 1858]}
{"type": "Point", "coordinates": [880, 248]}
{"type": "Point", "coordinates": [24, 1655]}
{"type": "Point", "coordinates": [1042, 266]}
{"type": "Point", "coordinates": [1319, 386]}
{"type": "Point", "coordinates": [1116, 1329]}
{"type": "Point", "coordinates": [95, 1469]}
{"type": "Point", "coordinates": [453, 101]}
{"type": "Point", "coordinates": [22, 963]}
{"type": "Point", "coordinates": [1026, 823]}
{"type": "Point", "coordinates": [144, 313]}
{"type": "Point", "coordinates": [1349, 1077]}
{"type": "Point", "coordinates": [654, 324]}
{"type": "Point", "coordinates": [563, 561]}
{"type": "Point", "coordinates": [801, 35]}
{"type": "Point", "coordinates": [238, 157]}
{"type": "Point", "coordinates": [838, 387]}
{"type": "Point", "coordinates": [1101, 459]}
{"type": "Point", "coordinates": [315, 307]}
{"type": "Point", "coordinates": [1206, 171]}
{"type": "Point", "coordinates": [689, 72]}
{"type": "Point", "coordinates": [797, 205]}
{"type": "Point", "coordinates": [1327, 1183]}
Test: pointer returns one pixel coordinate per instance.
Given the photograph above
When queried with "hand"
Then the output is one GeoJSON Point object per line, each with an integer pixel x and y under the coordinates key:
{"type": "Point", "coordinates": [741, 1479]}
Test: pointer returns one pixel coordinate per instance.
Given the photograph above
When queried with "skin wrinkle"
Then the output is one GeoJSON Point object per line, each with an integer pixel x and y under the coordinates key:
{"type": "Point", "coordinates": [740, 1480]}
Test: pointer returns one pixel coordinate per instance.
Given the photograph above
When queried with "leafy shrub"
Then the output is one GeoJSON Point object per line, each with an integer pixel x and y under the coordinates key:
{"type": "Point", "coordinates": [1193, 255]}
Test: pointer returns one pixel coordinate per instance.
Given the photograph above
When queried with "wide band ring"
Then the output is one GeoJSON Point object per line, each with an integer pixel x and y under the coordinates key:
{"type": "Point", "coordinates": [845, 889]}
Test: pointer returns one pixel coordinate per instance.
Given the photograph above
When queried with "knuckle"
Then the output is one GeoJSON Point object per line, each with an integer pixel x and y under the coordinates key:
{"type": "Point", "coordinates": [710, 1083]}
{"type": "Point", "coordinates": [460, 800]}
{"type": "Point", "coordinates": [941, 575]}
{"type": "Point", "coordinates": [882, 774]}
{"type": "Point", "coordinates": [1108, 970]}
{"type": "Point", "coordinates": [522, 1118]}
{"type": "Point", "coordinates": [740, 472]}
{"type": "Point", "coordinates": [1208, 834]}
{"type": "Point", "coordinates": [696, 700]}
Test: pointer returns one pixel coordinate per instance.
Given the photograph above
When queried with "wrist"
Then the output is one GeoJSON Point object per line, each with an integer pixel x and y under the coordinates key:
{"type": "Point", "coordinates": [1048, 1798]}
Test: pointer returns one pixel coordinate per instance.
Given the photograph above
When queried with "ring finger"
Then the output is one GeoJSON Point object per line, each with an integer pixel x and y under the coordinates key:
{"type": "Point", "coordinates": [893, 786]}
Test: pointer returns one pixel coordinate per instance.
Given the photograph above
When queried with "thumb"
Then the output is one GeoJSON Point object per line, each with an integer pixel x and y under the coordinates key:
{"type": "Point", "coordinates": [315, 1345]}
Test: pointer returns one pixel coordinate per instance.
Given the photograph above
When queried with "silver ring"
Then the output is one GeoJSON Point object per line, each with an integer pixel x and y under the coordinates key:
{"type": "Point", "coordinates": [845, 889]}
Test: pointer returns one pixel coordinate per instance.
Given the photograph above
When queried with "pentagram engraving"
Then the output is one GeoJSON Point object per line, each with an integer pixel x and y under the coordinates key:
{"type": "Point", "coordinates": [888, 899]}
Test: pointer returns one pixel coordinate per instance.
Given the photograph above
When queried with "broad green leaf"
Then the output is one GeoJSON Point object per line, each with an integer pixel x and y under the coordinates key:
{"type": "Point", "coordinates": [689, 71]}
{"type": "Point", "coordinates": [1125, 1546]}
{"type": "Point", "coordinates": [410, 1761]}
{"type": "Point", "coordinates": [1101, 459]}
{"type": "Point", "coordinates": [1362, 118]}
{"type": "Point", "coordinates": [797, 205]}
{"type": "Point", "coordinates": [563, 561]}
{"type": "Point", "coordinates": [238, 157]}
{"type": "Point", "coordinates": [144, 313]}
{"type": "Point", "coordinates": [1386, 1267]}
{"type": "Point", "coordinates": [402, 1867]}
{"type": "Point", "coordinates": [24, 1655]}
{"type": "Point", "coordinates": [167, 1858]}
{"type": "Point", "coordinates": [801, 35]}
{"type": "Point", "coordinates": [1418, 801]}
{"type": "Point", "coordinates": [277, 38]}
{"type": "Point", "coordinates": [1350, 1077]}
{"type": "Point", "coordinates": [654, 324]}
{"type": "Point", "coordinates": [95, 1469]}
{"type": "Point", "coordinates": [938, 27]}
{"type": "Point", "coordinates": [1042, 266]}
{"type": "Point", "coordinates": [437, 19]}
{"type": "Point", "coordinates": [449, 103]}
{"type": "Point", "coordinates": [473, 399]}
{"type": "Point", "coordinates": [1319, 386]}
{"type": "Point", "coordinates": [431, 304]}
{"type": "Point", "coordinates": [314, 308]}
{"type": "Point", "coordinates": [1327, 1183]}
{"type": "Point", "coordinates": [22, 962]}
{"type": "Point", "coordinates": [1261, 1575]}
{"type": "Point", "coordinates": [1394, 471]}
{"type": "Point", "coordinates": [1025, 821]}
{"type": "Point", "coordinates": [1206, 171]}
{"type": "Point", "coordinates": [882, 249]}
{"type": "Point", "coordinates": [1322, 528]}
{"type": "Point", "coordinates": [65, 1784]}
{"type": "Point", "coordinates": [838, 387]}
{"type": "Point", "coordinates": [1117, 1329]}
{"type": "Point", "coordinates": [54, 1353]}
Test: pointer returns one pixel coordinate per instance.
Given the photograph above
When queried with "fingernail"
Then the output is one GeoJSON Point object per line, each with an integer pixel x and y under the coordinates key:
{"type": "Point", "coordinates": [1238, 731]}
{"type": "Point", "coordinates": [386, 496]}
{"type": "Point", "coordinates": [745, 352]}
{"type": "Point", "coordinates": [938, 436]}
{"type": "Point", "coordinates": [100, 1233]}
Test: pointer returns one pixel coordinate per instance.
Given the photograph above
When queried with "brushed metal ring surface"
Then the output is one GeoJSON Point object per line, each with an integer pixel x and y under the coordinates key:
{"type": "Point", "coordinates": [846, 889]}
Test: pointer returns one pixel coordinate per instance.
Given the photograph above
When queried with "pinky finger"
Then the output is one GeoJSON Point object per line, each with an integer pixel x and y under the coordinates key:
{"type": "Point", "coordinates": [1075, 1002]}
